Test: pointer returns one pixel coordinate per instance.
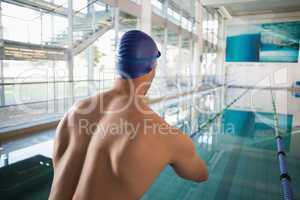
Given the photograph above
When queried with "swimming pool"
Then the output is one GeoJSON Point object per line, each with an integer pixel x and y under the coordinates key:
{"type": "Point", "coordinates": [233, 131]}
{"type": "Point", "coordinates": [239, 148]}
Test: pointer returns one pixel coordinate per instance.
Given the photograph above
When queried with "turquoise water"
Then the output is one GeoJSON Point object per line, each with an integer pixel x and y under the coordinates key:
{"type": "Point", "coordinates": [240, 150]}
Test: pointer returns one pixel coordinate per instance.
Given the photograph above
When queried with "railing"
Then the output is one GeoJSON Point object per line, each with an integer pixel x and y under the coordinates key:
{"type": "Point", "coordinates": [23, 101]}
{"type": "Point", "coordinates": [99, 85]}
{"type": "Point", "coordinates": [160, 85]}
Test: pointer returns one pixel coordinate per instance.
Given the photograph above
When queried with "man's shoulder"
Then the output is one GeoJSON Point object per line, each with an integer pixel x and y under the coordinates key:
{"type": "Point", "coordinates": [91, 105]}
{"type": "Point", "coordinates": [141, 109]}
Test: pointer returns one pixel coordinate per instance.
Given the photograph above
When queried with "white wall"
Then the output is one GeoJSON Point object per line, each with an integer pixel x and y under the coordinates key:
{"type": "Point", "coordinates": [263, 74]}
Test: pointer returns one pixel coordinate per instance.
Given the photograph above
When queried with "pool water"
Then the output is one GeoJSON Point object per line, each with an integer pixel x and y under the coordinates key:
{"type": "Point", "coordinates": [240, 151]}
{"type": "Point", "coordinates": [233, 131]}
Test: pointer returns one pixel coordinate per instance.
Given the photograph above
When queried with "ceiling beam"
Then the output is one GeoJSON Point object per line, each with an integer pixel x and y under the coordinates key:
{"type": "Point", "coordinates": [218, 3]}
{"type": "Point", "coordinates": [224, 12]}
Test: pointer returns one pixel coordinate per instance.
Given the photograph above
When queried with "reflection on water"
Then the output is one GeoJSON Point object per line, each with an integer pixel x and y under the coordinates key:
{"type": "Point", "coordinates": [239, 146]}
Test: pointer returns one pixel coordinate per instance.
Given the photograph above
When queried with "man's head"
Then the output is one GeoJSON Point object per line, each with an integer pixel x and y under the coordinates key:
{"type": "Point", "coordinates": [137, 58]}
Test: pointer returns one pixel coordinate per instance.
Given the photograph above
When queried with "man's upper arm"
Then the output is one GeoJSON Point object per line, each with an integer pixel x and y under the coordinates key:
{"type": "Point", "coordinates": [183, 156]}
{"type": "Point", "coordinates": [185, 160]}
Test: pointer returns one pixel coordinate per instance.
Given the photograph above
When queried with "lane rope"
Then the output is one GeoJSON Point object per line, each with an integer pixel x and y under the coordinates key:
{"type": "Point", "coordinates": [216, 116]}
{"type": "Point", "coordinates": [287, 189]}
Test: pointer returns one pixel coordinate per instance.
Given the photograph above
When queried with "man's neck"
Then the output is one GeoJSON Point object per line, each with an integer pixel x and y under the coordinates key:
{"type": "Point", "coordinates": [129, 87]}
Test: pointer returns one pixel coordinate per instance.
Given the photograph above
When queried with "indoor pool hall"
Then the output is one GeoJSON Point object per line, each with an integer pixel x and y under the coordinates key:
{"type": "Point", "coordinates": [149, 99]}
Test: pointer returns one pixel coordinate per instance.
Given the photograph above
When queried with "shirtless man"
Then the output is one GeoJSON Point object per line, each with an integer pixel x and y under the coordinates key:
{"type": "Point", "coordinates": [112, 146]}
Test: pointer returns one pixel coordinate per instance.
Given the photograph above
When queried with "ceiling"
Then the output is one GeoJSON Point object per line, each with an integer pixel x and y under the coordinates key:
{"type": "Point", "coordinates": [254, 7]}
{"type": "Point", "coordinates": [187, 6]}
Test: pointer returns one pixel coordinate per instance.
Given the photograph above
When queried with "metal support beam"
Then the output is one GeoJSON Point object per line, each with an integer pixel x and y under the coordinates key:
{"type": "Point", "coordinates": [53, 65]}
{"type": "Point", "coordinates": [180, 42]}
{"type": "Point", "coordinates": [117, 23]}
{"type": "Point", "coordinates": [209, 62]}
{"type": "Point", "coordinates": [146, 16]}
{"type": "Point", "coordinates": [191, 60]}
{"type": "Point", "coordinates": [180, 50]}
{"type": "Point", "coordinates": [92, 12]}
{"type": "Point", "coordinates": [225, 13]}
{"type": "Point", "coordinates": [196, 69]}
{"type": "Point", "coordinates": [221, 50]}
{"type": "Point", "coordinates": [2, 92]}
{"type": "Point", "coordinates": [116, 27]}
{"type": "Point", "coordinates": [196, 65]}
{"type": "Point", "coordinates": [165, 41]}
{"type": "Point", "coordinates": [70, 40]}
{"type": "Point", "coordinates": [70, 58]}
{"type": "Point", "coordinates": [91, 48]}
{"type": "Point", "coordinates": [217, 3]}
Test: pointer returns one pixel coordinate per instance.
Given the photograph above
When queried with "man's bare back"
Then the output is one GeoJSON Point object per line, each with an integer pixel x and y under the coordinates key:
{"type": "Point", "coordinates": [112, 146]}
{"type": "Point", "coordinates": [92, 164]}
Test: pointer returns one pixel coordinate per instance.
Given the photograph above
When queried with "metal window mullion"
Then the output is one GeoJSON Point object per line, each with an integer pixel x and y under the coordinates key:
{"type": "Point", "coordinates": [70, 57]}
{"type": "Point", "coordinates": [2, 88]}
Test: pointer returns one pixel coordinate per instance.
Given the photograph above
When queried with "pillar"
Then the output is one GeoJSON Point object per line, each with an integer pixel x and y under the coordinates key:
{"type": "Point", "coordinates": [2, 92]}
{"type": "Point", "coordinates": [196, 65]}
{"type": "Point", "coordinates": [198, 45]}
{"type": "Point", "coordinates": [116, 22]}
{"type": "Point", "coordinates": [70, 57]}
{"type": "Point", "coordinates": [180, 42]}
{"type": "Point", "coordinates": [165, 40]}
{"type": "Point", "coordinates": [221, 51]}
{"type": "Point", "coordinates": [91, 49]}
{"type": "Point", "coordinates": [146, 14]}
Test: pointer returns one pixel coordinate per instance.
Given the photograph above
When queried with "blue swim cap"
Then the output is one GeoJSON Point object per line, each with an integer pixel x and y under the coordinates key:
{"type": "Point", "coordinates": [137, 54]}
